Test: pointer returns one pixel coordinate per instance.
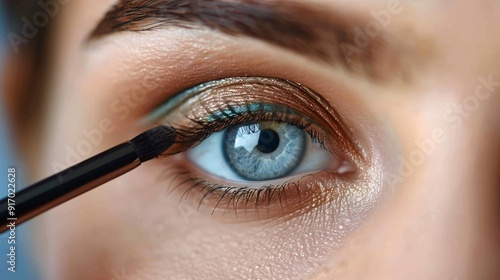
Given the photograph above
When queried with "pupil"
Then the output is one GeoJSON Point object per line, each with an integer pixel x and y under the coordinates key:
{"type": "Point", "coordinates": [269, 141]}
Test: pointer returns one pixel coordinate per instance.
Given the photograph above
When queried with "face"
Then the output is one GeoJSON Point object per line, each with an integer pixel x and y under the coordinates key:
{"type": "Point", "coordinates": [317, 140]}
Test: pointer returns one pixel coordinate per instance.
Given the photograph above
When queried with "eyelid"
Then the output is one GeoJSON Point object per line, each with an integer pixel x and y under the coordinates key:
{"type": "Point", "coordinates": [286, 200]}
{"type": "Point", "coordinates": [233, 92]}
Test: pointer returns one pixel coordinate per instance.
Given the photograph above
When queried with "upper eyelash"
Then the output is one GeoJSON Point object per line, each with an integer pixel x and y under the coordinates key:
{"type": "Point", "coordinates": [190, 136]}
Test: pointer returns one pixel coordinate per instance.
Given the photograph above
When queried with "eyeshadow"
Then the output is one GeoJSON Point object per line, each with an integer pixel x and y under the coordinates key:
{"type": "Point", "coordinates": [214, 105]}
{"type": "Point", "coordinates": [234, 111]}
{"type": "Point", "coordinates": [178, 99]}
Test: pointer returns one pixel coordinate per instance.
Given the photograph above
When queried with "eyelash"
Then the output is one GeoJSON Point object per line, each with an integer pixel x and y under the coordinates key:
{"type": "Point", "coordinates": [190, 136]}
{"type": "Point", "coordinates": [237, 193]}
{"type": "Point", "coordinates": [289, 195]}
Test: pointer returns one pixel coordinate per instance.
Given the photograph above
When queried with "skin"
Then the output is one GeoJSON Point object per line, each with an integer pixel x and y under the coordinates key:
{"type": "Point", "coordinates": [437, 221]}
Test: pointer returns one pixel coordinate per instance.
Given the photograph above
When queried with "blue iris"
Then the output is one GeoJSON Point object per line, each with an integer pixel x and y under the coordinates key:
{"type": "Point", "coordinates": [264, 151]}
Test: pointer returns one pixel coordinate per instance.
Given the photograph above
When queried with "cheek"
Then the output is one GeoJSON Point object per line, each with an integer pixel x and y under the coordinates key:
{"type": "Point", "coordinates": [132, 226]}
{"type": "Point", "coordinates": [78, 239]}
{"type": "Point", "coordinates": [172, 239]}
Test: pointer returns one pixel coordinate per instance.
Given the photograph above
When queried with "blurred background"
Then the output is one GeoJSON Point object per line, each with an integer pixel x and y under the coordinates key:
{"type": "Point", "coordinates": [10, 22]}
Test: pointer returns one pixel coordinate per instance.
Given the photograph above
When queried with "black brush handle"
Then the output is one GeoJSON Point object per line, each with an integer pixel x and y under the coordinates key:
{"type": "Point", "coordinates": [68, 184]}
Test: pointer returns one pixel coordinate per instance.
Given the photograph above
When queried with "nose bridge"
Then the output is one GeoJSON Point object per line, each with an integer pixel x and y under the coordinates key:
{"type": "Point", "coordinates": [451, 182]}
{"type": "Point", "coordinates": [480, 186]}
{"type": "Point", "coordinates": [476, 122]}
{"type": "Point", "coordinates": [466, 170]}
{"type": "Point", "coordinates": [476, 154]}
{"type": "Point", "coordinates": [471, 126]}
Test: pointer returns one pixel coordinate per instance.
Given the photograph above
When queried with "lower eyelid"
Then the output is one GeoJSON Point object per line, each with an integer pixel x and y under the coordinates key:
{"type": "Point", "coordinates": [238, 203]}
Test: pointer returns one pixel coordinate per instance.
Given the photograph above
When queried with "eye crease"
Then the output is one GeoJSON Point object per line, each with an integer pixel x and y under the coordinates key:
{"type": "Point", "coordinates": [252, 143]}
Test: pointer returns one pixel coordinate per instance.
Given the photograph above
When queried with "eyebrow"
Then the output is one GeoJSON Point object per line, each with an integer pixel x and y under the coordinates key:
{"type": "Point", "coordinates": [327, 36]}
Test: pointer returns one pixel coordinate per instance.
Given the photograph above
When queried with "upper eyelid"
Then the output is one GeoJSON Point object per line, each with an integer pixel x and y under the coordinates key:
{"type": "Point", "coordinates": [293, 95]}
{"type": "Point", "coordinates": [170, 76]}
{"type": "Point", "coordinates": [176, 100]}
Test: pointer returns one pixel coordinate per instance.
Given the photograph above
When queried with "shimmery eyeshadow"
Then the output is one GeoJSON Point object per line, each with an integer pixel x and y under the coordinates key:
{"type": "Point", "coordinates": [214, 105]}
{"type": "Point", "coordinates": [192, 92]}
{"type": "Point", "coordinates": [225, 114]}
{"type": "Point", "coordinates": [176, 100]}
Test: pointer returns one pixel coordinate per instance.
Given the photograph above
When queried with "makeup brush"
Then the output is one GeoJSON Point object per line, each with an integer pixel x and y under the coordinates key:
{"type": "Point", "coordinates": [84, 176]}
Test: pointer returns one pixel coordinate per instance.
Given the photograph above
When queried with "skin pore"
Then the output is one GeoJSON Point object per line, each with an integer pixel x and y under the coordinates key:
{"type": "Point", "coordinates": [420, 100]}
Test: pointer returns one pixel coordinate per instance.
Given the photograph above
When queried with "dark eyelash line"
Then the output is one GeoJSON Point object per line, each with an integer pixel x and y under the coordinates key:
{"type": "Point", "coordinates": [188, 137]}
{"type": "Point", "coordinates": [234, 195]}
{"type": "Point", "coordinates": [250, 198]}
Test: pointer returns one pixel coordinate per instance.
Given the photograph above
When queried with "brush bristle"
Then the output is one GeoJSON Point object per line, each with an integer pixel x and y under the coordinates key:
{"type": "Point", "coordinates": [153, 142]}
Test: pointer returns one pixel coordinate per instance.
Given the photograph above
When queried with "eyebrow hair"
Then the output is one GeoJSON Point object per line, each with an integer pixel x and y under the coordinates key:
{"type": "Point", "coordinates": [327, 36]}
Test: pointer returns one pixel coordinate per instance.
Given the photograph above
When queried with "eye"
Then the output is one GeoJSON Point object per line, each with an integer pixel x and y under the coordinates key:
{"type": "Point", "coordinates": [261, 151]}
{"type": "Point", "coordinates": [254, 142]}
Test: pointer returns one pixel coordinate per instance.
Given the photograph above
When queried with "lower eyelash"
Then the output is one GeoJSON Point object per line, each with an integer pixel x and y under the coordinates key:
{"type": "Point", "coordinates": [246, 195]}
{"type": "Point", "coordinates": [290, 197]}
